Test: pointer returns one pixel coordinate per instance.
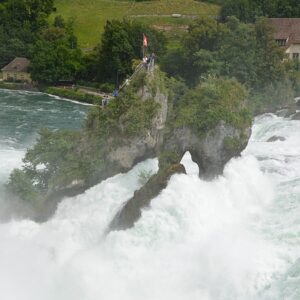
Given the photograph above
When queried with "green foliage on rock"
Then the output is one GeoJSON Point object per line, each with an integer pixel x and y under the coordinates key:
{"type": "Point", "coordinates": [126, 115]}
{"type": "Point", "coordinates": [64, 159]}
{"type": "Point", "coordinates": [168, 158]}
{"type": "Point", "coordinates": [21, 184]}
{"type": "Point", "coordinates": [52, 151]}
{"type": "Point", "coordinates": [57, 160]}
{"type": "Point", "coordinates": [52, 161]}
{"type": "Point", "coordinates": [212, 101]}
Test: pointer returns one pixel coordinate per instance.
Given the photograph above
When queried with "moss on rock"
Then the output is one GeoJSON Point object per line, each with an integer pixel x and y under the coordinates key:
{"type": "Point", "coordinates": [213, 101]}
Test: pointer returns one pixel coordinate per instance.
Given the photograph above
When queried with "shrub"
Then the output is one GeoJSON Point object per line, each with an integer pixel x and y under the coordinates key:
{"type": "Point", "coordinates": [107, 87]}
{"type": "Point", "coordinates": [168, 158]}
{"type": "Point", "coordinates": [212, 101]}
{"type": "Point", "coordinates": [21, 185]}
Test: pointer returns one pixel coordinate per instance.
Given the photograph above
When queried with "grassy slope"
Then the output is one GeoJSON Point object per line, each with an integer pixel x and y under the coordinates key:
{"type": "Point", "coordinates": [91, 15]}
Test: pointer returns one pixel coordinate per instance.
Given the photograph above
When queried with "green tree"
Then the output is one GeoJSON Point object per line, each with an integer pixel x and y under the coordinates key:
{"type": "Point", "coordinates": [250, 10]}
{"type": "Point", "coordinates": [53, 57]}
{"type": "Point", "coordinates": [121, 43]}
{"type": "Point", "coordinates": [237, 53]}
{"type": "Point", "coordinates": [116, 52]}
{"type": "Point", "coordinates": [269, 57]}
{"type": "Point", "coordinates": [59, 22]}
{"type": "Point", "coordinates": [246, 52]}
{"type": "Point", "coordinates": [201, 45]}
{"type": "Point", "coordinates": [242, 9]}
{"type": "Point", "coordinates": [20, 23]}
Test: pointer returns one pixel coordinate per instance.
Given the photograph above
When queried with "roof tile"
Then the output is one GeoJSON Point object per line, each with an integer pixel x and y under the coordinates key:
{"type": "Point", "coordinates": [287, 29]}
{"type": "Point", "coordinates": [19, 64]}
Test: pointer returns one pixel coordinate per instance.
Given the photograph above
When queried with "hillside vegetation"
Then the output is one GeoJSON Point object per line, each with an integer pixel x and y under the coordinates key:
{"type": "Point", "coordinates": [90, 16]}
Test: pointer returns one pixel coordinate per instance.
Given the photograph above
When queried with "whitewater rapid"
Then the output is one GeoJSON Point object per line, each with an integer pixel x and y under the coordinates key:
{"type": "Point", "coordinates": [236, 237]}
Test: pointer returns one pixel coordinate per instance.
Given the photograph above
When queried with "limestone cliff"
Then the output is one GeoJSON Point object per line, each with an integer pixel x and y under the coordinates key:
{"type": "Point", "coordinates": [210, 152]}
{"type": "Point", "coordinates": [211, 148]}
{"type": "Point", "coordinates": [148, 119]}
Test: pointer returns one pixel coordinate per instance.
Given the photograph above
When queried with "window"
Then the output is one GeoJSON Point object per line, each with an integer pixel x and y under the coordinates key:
{"type": "Point", "coordinates": [295, 55]}
{"type": "Point", "coordinates": [281, 42]}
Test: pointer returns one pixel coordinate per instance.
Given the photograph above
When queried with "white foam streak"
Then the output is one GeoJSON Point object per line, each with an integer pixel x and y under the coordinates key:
{"type": "Point", "coordinates": [69, 100]}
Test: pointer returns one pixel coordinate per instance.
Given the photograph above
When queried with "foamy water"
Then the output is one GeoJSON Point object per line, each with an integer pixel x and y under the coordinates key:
{"type": "Point", "coordinates": [237, 237]}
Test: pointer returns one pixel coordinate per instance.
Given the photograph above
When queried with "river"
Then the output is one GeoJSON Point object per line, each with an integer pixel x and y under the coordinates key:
{"type": "Point", "coordinates": [236, 237]}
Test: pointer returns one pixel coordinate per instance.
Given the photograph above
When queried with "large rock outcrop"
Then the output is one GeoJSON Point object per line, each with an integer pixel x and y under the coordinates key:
{"type": "Point", "coordinates": [121, 152]}
{"type": "Point", "coordinates": [213, 130]}
{"type": "Point", "coordinates": [210, 152]}
{"type": "Point", "coordinates": [87, 158]}
{"type": "Point", "coordinates": [134, 150]}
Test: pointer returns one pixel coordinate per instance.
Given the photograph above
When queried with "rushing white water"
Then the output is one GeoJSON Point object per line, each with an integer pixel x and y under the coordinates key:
{"type": "Point", "coordinates": [237, 237]}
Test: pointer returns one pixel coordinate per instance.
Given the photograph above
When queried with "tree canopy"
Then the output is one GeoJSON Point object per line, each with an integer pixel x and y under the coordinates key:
{"type": "Point", "coordinates": [20, 23]}
{"type": "Point", "coordinates": [55, 56]}
{"type": "Point", "coordinates": [244, 51]}
{"type": "Point", "coordinates": [121, 42]}
{"type": "Point", "coordinates": [250, 10]}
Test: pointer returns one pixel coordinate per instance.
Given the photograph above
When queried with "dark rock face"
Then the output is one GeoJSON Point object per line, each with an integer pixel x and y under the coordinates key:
{"type": "Point", "coordinates": [275, 138]}
{"type": "Point", "coordinates": [131, 211]}
{"type": "Point", "coordinates": [125, 155]}
{"type": "Point", "coordinates": [286, 112]}
{"type": "Point", "coordinates": [296, 116]}
{"type": "Point", "coordinates": [139, 148]}
{"type": "Point", "coordinates": [211, 152]}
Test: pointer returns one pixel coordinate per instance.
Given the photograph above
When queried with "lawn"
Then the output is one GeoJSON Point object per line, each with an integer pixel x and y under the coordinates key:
{"type": "Point", "coordinates": [90, 16]}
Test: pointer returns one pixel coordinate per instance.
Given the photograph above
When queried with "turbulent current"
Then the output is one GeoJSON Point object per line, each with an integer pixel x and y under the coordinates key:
{"type": "Point", "coordinates": [236, 237]}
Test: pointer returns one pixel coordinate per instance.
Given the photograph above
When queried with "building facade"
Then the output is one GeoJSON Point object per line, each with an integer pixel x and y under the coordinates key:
{"type": "Point", "coordinates": [17, 70]}
{"type": "Point", "coordinates": [287, 35]}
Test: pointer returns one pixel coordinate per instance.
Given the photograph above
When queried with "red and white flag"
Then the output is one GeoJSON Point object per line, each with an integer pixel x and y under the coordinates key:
{"type": "Point", "coordinates": [145, 41]}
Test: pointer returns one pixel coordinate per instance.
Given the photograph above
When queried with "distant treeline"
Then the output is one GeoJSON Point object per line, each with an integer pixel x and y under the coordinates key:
{"type": "Point", "coordinates": [249, 10]}
{"type": "Point", "coordinates": [226, 48]}
{"type": "Point", "coordinates": [21, 21]}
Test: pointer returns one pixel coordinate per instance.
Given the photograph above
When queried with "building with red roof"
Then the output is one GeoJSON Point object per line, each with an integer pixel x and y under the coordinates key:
{"type": "Point", "coordinates": [17, 70]}
{"type": "Point", "coordinates": [287, 35]}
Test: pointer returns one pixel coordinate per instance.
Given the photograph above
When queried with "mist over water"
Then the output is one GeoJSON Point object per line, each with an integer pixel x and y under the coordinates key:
{"type": "Point", "coordinates": [237, 237]}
